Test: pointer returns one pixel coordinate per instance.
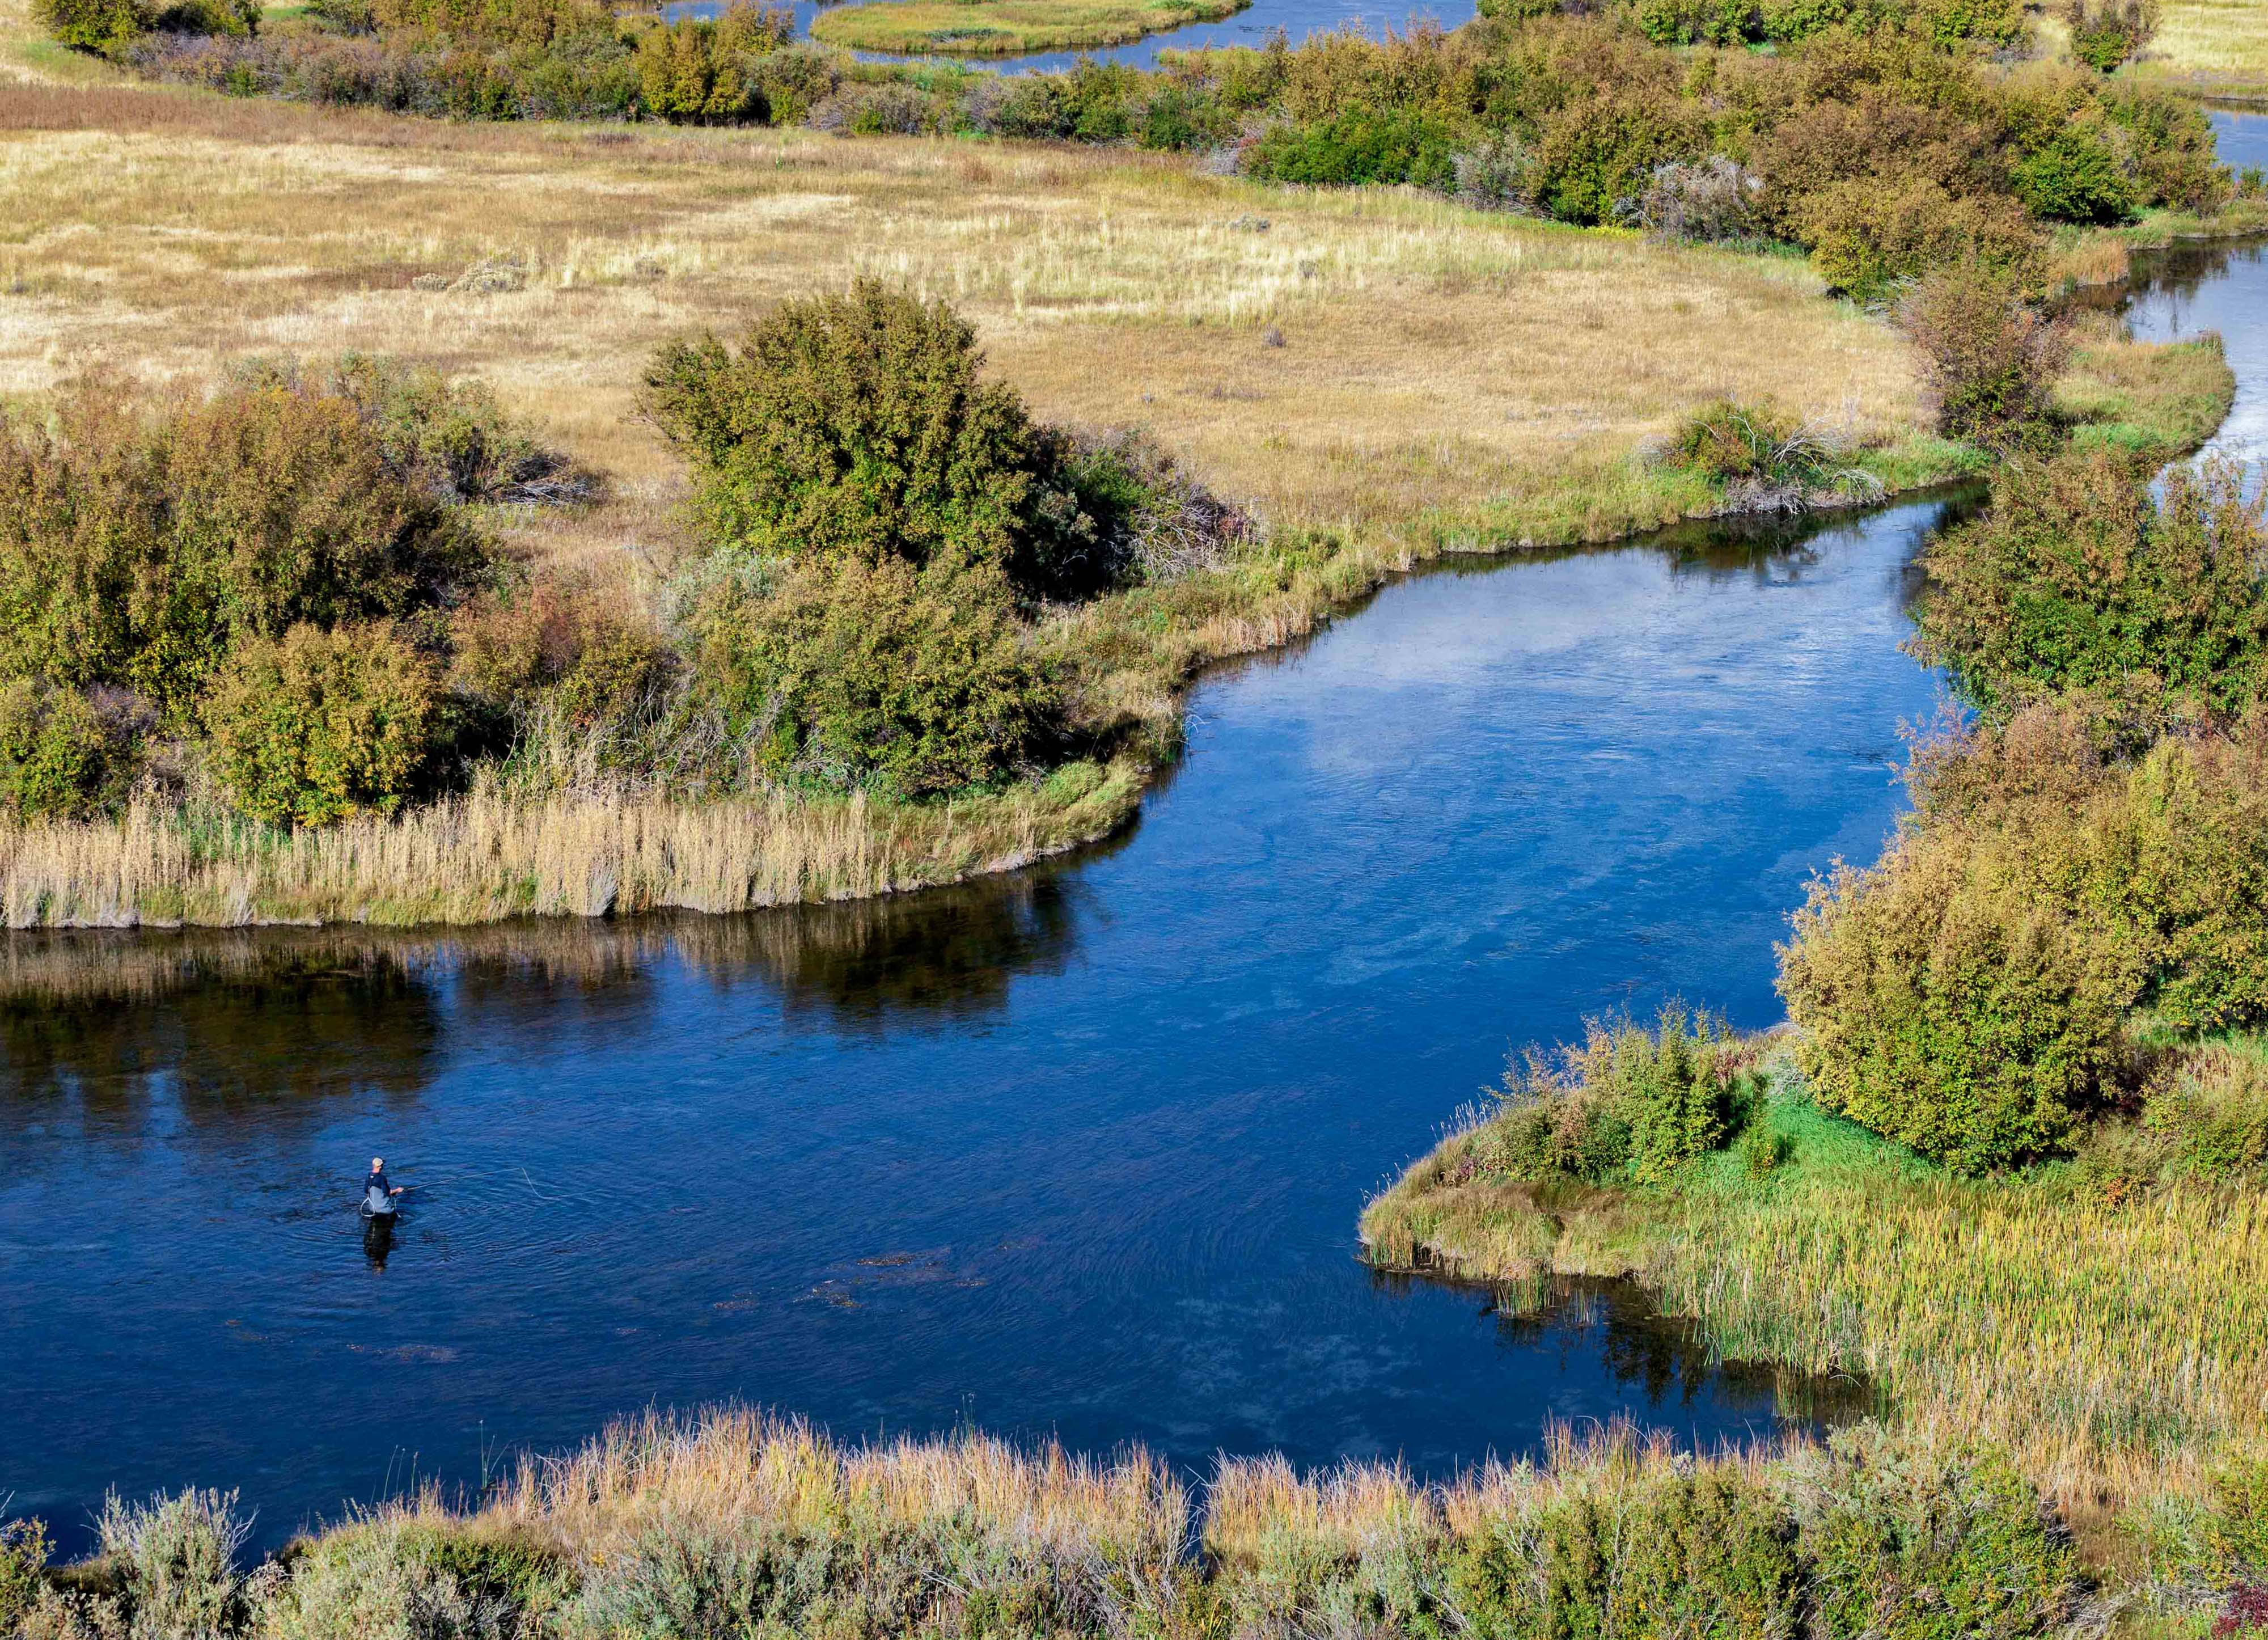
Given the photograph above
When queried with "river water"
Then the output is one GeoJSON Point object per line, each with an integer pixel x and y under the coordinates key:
{"type": "Point", "coordinates": [1077, 1152]}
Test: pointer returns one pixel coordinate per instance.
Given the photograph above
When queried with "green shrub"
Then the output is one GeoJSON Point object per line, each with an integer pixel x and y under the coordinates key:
{"type": "Point", "coordinates": [2158, 857]}
{"type": "Point", "coordinates": [1992, 22]}
{"type": "Point", "coordinates": [859, 672]}
{"type": "Point", "coordinates": [618, 671]}
{"type": "Point", "coordinates": [503, 22]}
{"type": "Point", "coordinates": [1786, 21]}
{"type": "Point", "coordinates": [320, 724]}
{"type": "Point", "coordinates": [2106, 32]}
{"type": "Point", "coordinates": [58, 759]}
{"type": "Point", "coordinates": [2211, 1112]}
{"type": "Point", "coordinates": [1180, 115]}
{"type": "Point", "coordinates": [1989, 358]}
{"type": "Point", "coordinates": [1967, 997]}
{"type": "Point", "coordinates": [1698, 22]}
{"type": "Point", "coordinates": [450, 438]}
{"type": "Point", "coordinates": [1763, 457]}
{"type": "Point", "coordinates": [1946, 1009]}
{"type": "Point", "coordinates": [2170, 149]}
{"type": "Point", "coordinates": [107, 27]}
{"type": "Point", "coordinates": [24, 1553]}
{"type": "Point", "coordinates": [179, 1556]}
{"type": "Point", "coordinates": [855, 428]}
{"type": "Point", "coordinates": [2075, 176]}
{"type": "Point", "coordinates": [110, 26]}
{"type": "Point", "coordinates": [1865, 237]}
{"type": "Point", "coordinates": [2077, 577]}
{"type": "Point", "coordinates": [1909, 1538]}
{"type": "Point", "coordinates": [1358, 146]}
{"type": "Point", "coordinates": [1596, 154]}
{"type": "Point", "coordinates": [137, 551]}
{"type": "Point", "coordinates": [697, 71]}
{"type": "Point", "coordinates": [2236, 1526]}
{"type": "Point", "coordinates": [400, 1573]}
{"type": "Point", "coordinates": [1628, 1103]}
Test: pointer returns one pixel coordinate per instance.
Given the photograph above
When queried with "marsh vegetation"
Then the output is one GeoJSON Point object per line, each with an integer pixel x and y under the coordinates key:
{"type": "Point", "coordinates": [739, 1523]}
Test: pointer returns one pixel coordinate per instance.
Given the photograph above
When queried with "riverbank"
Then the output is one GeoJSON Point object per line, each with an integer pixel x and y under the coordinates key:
{"type": "Point", "coordinates": [738, 1522]}
{"type": "Point", "coordinates": [1378, 377]}
{"type": "Point", "coordinates": [1821, 1246]}
{"type": "Point", "coordinates": [2112, 1346]}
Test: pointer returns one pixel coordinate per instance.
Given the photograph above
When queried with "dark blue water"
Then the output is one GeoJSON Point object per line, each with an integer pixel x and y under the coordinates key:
{"type": "Point", "coordinates": [1078, 1152]}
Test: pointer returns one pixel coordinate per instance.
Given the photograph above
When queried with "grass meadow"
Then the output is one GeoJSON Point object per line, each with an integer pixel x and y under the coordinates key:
{"type": "Point", "coordinates": [2218, 47]}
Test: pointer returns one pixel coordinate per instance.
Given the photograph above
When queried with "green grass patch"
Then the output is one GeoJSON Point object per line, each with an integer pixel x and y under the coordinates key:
{"type": "Point", "coordinates": [2143, 396]}
{"type": "Point", "coordinates": [1010, 27]}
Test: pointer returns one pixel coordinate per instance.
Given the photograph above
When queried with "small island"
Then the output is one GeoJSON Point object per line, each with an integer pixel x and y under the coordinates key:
{"type": "Point", "coordinates": [1003, 28]}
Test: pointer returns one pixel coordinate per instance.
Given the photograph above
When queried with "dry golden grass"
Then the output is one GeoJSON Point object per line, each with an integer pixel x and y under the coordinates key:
{"type": "Point", "coordinates": [483, 857]}
{"type": "Point", "coordinates": [2217, 46]}
{"type": "Point", "coordinates": [1009, 27]}
{"type": "Point", "coordinates": [1443, 375]}
{"type": "Point", "coordinates": [734, 1464]}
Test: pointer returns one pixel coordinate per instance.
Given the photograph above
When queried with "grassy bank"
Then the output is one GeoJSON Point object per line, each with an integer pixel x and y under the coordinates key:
{"type": "Point", "coordinates": [740, 1524]}
{"type": "Point", "coordinates": [1001, 28]}
{"type": "Point", "coordinates": [483, 858]}
{"type": "Point", "coordinates": [2118, 1346]}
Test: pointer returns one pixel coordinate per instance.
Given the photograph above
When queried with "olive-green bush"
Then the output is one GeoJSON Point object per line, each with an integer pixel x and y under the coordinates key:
{"type": "Point", "coordinates": [58, 758]}
{"type": "Point", "coordinates": [1972, 995]}
{"type": "Point", "coordinates": [175, 1558]}
{"type": "Point", "coordinates": [2207, 1113]}
{"type": "Point", "coordinates": [857, 428]}
{"type": "Point", "coordinates": [1909, 1537]}
{"type": "Point", "coordinates": [2107, 32]}
{"type": "Point", "coordinates": [137, 550]}
{"type": "Point", "coordinates": [423, 1574]}
{"type": "Point", "coordinates": [2076, 176]}
{"type": "Point", "coordinates": [704, 72]}
{"type": "Point", "coordinates": [1946, 1010]}
{"type": "Point", "coordinates": [24, 1553]}
{"type": "Point", "coordinates": [2078, 577]}
{"type": "Point", "coordinates": [1628, 1103]}
{"type": "Point", "coordinates": [1990, 357]}
{"type": "Point", "coordinates": [321, 724]}
{"type": "Point", "coordinates": [859, 672]}
{"type": "Point", "coordinates": [113, 27]}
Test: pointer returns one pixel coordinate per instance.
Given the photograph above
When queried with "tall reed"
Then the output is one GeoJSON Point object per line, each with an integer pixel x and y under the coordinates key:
{"type": "Point", "coordinates": [483, 857]}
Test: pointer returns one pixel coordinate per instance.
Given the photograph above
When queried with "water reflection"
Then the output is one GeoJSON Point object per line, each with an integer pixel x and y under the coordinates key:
{"type": "Point", "coordinates": [234, 1020]}
{"type": "Point", "coordinates": [241, 1024]}
{"type": "Point", "coordinates": [378, 1239]}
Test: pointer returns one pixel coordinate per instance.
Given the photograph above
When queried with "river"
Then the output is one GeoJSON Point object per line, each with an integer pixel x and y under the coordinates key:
{"type": "Point", "coordinates": [1077, 1152]}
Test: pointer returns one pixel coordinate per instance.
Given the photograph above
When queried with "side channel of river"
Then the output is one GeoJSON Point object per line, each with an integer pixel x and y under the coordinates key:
{"type": "Point", "coordinates": [1077, 1152]}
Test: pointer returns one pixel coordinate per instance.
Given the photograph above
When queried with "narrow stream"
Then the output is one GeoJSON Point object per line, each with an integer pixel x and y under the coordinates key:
{"type": "Point", "coordinates": [1074, 1153]}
